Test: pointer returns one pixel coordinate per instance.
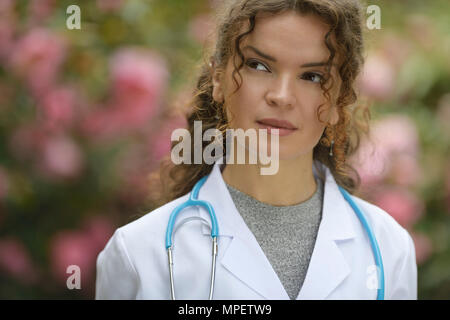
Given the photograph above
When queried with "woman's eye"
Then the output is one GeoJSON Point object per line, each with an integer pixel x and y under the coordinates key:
{"type": "Point", "coordinates": [317, 78]}
{"type": "Point", "coordinates": [252, 63]}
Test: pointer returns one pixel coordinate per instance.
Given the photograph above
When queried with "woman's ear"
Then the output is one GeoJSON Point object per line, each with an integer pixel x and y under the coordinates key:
{"type": "Point", "coordinates": [217, 93]}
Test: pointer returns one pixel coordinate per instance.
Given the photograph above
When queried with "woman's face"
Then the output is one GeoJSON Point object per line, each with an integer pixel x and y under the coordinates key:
{"type": "Point", "coordinates": [281, 81]}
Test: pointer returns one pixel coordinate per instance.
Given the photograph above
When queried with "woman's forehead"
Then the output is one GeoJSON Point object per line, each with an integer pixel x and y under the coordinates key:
{"type": "Point", "coordinates": [288, 36]}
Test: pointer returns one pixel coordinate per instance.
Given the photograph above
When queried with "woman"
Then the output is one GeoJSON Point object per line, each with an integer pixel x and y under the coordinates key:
{"type": "Point", "coordinates": [288, 235]}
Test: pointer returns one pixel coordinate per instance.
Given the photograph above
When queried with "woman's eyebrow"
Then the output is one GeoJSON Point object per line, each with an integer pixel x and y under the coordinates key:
{"type": "Point", "coordinates": [266, 56]}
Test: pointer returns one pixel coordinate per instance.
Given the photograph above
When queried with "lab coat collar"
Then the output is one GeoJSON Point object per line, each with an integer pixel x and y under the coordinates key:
{"type": "Point", "coordinates": [245, 259]}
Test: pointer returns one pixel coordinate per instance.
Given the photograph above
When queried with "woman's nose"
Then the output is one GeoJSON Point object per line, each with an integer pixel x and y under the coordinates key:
{"type": "Point", "coordinates": [281, 93]}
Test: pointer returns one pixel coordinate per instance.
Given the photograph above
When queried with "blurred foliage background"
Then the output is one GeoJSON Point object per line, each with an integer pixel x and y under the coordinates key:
{"type": "Point", "coordinates": [87, 114]}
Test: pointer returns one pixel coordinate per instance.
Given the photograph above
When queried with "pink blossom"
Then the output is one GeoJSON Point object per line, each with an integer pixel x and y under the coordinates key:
{"type": "Point", "coordinates": [37, 58]}
{"type": "Point", "coordinates": [72, 248]}
{"type": "Point", "coordinates": [201, 27]}
{"type": "Point", "coordinates": [397, 134]}
{"type": "Point", "coordinates": [15, 260]}
{"type": "Point", "coordinates": [404, 206]}
{"type": "Point", "coordinates": [377, 78]}
{"type": "Point", "coordinates": [391, 137]}
{"type": "Point", "coordinates": [61, 158]}
{"type": "Point", "coordinates": [371, 161]}
{"type": "Point", "coordinates": [423, 246]}
{"type": "Point", "coordinates": [81, 248]}
{"type": "Point", "coordinates": [58, 108]}
{"type": "Point", "coordinates": [139, 81]}
{"type": "Point", "coordinates": [139, 78]}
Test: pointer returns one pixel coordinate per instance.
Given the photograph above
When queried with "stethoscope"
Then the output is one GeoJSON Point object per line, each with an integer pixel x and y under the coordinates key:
{"type": "Point", "coordinates": [194, 201]}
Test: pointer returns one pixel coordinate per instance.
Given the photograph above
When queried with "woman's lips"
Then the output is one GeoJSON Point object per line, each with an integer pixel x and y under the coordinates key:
{"type": "Point", "coordinates": [281, 131]}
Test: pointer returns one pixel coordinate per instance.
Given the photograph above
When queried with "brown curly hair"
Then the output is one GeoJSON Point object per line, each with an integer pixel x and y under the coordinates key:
{"type": "Point", "coordinates": [345, 20]}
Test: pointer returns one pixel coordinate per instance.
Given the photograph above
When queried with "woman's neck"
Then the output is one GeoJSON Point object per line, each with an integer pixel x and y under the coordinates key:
{"type": "Point", "coordinates": [292, 184]}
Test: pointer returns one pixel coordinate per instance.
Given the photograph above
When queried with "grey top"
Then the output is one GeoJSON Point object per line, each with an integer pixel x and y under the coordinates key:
{"type": "Point", "coordinates": [286, 234]}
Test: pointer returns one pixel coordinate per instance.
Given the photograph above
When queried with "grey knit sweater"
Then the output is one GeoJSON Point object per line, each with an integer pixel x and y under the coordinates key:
{"type": "Point", "coordinates": [286, 234]}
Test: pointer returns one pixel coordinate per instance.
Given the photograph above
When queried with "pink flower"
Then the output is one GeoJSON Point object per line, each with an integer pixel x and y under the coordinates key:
{"type": "Point", "coordinates": [139, 78]}
{"type": "Point", "coordinates": [139, 81]}
{"type": "Point", "coordinates": [37, 58]}
{"type": "Point", "coordinates": [393, 137]}
{"type": "Point", "coordinates": [377, 78]}
{"type": "Point", "coordinates": [401, 204]}
{"type": "Point", "coordinates": [80, 248]}
{"type": "Point", "coordinates": [58, 108]}
{"type": "Point", "coordinates": [72, 248]}
{"type": "Point", "coordinates": [423, 246]}
{"type": "Point", "coordinates": [397, 134]}
{"type": "Point", "coordinates": [15, 260]}
{"type": "Point", "coordinates": [371, 162]}
{"type": "Point", "coordinates": [61, 158]}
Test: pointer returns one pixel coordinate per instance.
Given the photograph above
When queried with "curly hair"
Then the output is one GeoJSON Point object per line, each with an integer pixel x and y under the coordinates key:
{"type": "Point", "coordinates": [345, 21]}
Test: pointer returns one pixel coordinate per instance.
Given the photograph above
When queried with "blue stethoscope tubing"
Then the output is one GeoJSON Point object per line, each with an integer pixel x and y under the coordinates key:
{"type": "Point", "coordinates": [373, 242]}
{"type": "Point", "coordinates": [194, 201]}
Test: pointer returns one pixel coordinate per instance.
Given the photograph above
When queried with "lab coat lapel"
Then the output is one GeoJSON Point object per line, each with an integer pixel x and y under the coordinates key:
{"type": "Point", "coordinates": [243, 257]}
{"type": "Point", "coordinates": [328, 266]}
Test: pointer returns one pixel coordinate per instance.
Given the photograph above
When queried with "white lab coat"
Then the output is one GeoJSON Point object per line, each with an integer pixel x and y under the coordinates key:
{"type": "Point", "coordinates": [134, 264]}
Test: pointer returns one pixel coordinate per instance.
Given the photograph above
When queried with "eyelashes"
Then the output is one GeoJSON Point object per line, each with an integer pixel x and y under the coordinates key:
{"type": "Point", "coordinates": [254, 62]}
{"type": "Point", "coordinates": [251, 63]}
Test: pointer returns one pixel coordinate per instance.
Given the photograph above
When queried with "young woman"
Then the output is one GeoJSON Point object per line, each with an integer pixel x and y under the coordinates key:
{"type": "Point", "coordinates": [277, 64]}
